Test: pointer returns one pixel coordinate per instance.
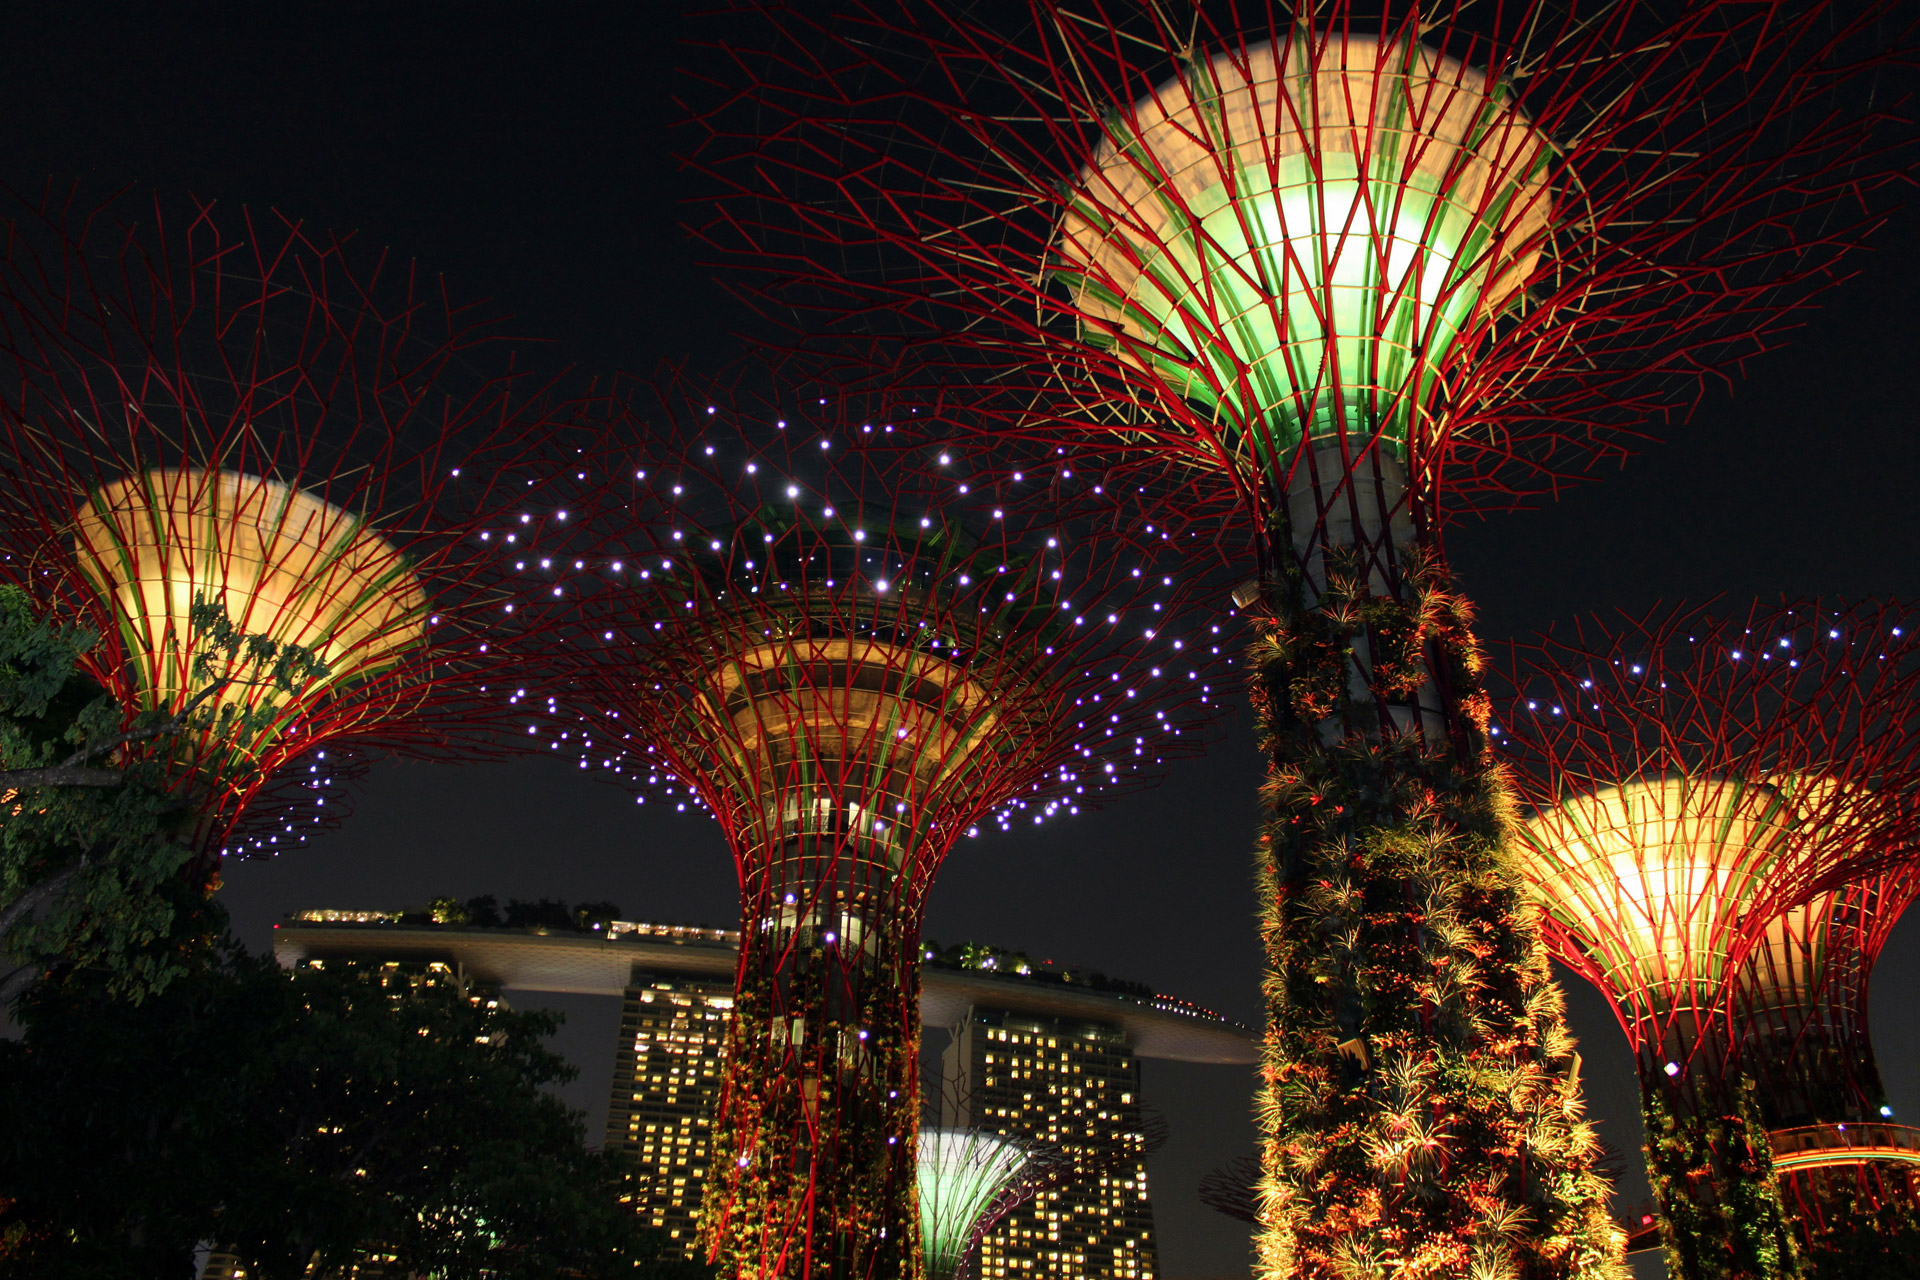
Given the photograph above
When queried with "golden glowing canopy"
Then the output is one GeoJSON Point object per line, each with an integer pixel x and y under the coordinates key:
{"type": "Point", "coordinates": [843, 734]}
{"type": "Point", "coordinates": [1818, 954]}
{"type": "Point", "coordinates": [283, 564]}
{"type": "Point", "coordinates": [1655, 878]}
{"type": "Point", "coordinates": [1307, 222]}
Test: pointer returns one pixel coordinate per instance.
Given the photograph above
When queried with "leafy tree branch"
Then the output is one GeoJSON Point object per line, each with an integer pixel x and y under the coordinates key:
{"type": "Point", "coordinates": [92, 842]}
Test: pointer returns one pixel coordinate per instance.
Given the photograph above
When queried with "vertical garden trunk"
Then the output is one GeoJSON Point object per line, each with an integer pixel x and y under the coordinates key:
{"type": "Point", "coordinates": [1419, 1109]}
{"type": "Point", "coordinates": [814, 1173]}
{"type": "Point", "coordinates": [1708, 1158]}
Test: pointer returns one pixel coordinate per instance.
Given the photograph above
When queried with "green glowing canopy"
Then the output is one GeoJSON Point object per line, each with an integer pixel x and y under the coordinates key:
{"type": "Point", "coordinates": [1293, 238]}
{"type": "Point", "coordinates": [962, 1173]}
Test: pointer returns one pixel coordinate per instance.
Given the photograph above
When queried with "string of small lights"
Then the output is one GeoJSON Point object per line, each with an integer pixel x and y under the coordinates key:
{"type": "Point", "coordinates": [229, 432]}
{"type": "Point", "coordinates": [310, 795]}
{"type": "Point", "coordinates": [1339, 272]}
{"type": "Point", "coordinates": [1695, 778]}
{"type": "Point", "coordinates": [851, 664]}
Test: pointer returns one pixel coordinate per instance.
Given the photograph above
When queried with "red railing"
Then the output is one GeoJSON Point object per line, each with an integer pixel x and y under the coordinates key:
{"type": "Point", "coordinates": [1824, 1145]}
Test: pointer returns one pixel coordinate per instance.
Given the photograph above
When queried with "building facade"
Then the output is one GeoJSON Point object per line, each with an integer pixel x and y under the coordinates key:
{"type": "Point", "coordinates": [1048, 1055]}
{"type": "Point", "coordinates": [1075, 1084]}
{"type": "Point", "coordinates": [666, 1079]}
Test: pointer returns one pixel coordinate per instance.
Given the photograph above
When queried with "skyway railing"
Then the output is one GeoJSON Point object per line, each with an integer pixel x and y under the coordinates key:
{"type": "Point", "coordinates": [1818, 1146]}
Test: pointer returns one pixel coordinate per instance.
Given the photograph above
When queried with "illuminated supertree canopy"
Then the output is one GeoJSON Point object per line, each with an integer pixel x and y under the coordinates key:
{"type": "Point", "coordinates": [1847, 1170]}
{"type": "Point", "coordinates": [1495, 245]}
{"type": "Point", "coordinates": [854, 663]}
{"type": "Point", "coordinates": [221, 431]}
{"type": "Point", "coordinates": [1338, 274]}
{"type": "Point", "coordinates": [972, 1178]}
{"type": "Point", "coordinates": [1218, 226]}
{"type": "Point", "coordinates": [1702, 789]}
{"type": "Point", "coordinates": [290, 566]}
{"type": "Point", "coordinates": [968, 1179]}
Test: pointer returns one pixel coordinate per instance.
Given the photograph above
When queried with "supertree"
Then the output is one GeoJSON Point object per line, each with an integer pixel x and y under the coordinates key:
{"type": "Point", "coordinates": [1233, 1189]}
{"type": "Point", "coordinates": [1702, 790]}
{"type": "Point", "coordinates": [969, 1179]}
{"type": "Point", "coordinates": [1340, 276]}
{"type": "Point", "coordinates": [853, 665]}
{"type": "Point", "coordinates": [229, 441]}
{"type": "Point", "coordinates": [972, 1178]}
{"type": "Point", "coordinates": [1847, 1170]}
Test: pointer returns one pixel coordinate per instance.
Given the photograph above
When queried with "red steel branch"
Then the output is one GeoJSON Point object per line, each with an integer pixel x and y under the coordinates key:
{"type": "Point", "coordinates": [1695, 778]}
{"type": "Point", "coordinates": [1328, 277]}
{"type": "Point", "coordinates": [1800, 1020]}
{"type": "Point", "coordinates": [854, 658]}
{"type": "Point", "coordinates": [1720, 831]}
{"type": "Point", "coordinates": [236, 412]}
{"type": "Point", "coordinates": [910, 176]}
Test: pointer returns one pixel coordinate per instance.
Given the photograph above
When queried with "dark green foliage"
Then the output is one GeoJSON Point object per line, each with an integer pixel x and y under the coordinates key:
{"type": "Point", "coordinates": [1419, 1112]}
{"type": "Point", "coordinates": [88, 854]}
{"type": "Point", "coordinates": [1712, 1173]}
{"type": "Point", "coordinates": [588, 916]}
{"type": "Point", "coordinates": [992, 959]}
{"type": "Point", "coordinates": [94, 842]}
{"type": "Point", "coordinates": [545, 913]}
{"type": "Point", "coordinates": [1866, 1254]}
{"type": "Point", "coordinates": [299, 1116]}
{"type": "Point", "coordinates": [296, 1116]}
{"type": "Point", "coordinates": [1865, 1235]}
{"type": "Point", "coordinates": [226, 656]}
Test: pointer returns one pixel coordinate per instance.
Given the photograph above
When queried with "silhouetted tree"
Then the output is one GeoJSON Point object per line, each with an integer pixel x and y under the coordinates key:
{"type": "Point", "coordinates": [586, 915]}
{"type": "Point", "coordinates": [298, 1118]}
{"type": "Point", "coordinates": [545, 913]}
{"type": "Point", "coordinates": [91, 842]}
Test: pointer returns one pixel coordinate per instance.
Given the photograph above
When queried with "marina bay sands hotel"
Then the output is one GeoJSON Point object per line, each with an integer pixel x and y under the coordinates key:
{"type": "Point", "coordinates": [1030, 1050]}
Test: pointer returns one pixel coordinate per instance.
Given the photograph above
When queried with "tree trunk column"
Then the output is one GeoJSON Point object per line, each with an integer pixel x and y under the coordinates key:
{"type": "Point", "coordinates": [1708, 1157]}
{"type": "Point", "coordinates": [1419, 1114]}
{"type": "Point", "coordinates": [814, 1151]}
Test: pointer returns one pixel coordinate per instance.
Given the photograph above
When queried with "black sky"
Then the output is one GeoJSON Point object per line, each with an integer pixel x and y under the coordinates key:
{"type": "Point", "coordinates": [524, 151]}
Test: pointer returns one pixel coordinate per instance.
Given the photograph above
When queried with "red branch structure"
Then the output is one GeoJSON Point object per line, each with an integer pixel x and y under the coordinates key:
{"type": "Point", "coordinates": [235, 413]}
{"type": "Point", "coordinates": [1849, 1174]}
{"type": "Point", "coordinates": [1331, 275]}
{"type": "Point", "coordinates": [1497, 243]}
{"type": "Point", "coordinates": [853, 665]}
{"type": "Point", "coordinates": [1721, 831]}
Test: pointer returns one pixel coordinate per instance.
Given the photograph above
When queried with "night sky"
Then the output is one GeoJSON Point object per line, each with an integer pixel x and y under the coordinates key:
{"type": "Point", "coordinates": [525, 152]}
